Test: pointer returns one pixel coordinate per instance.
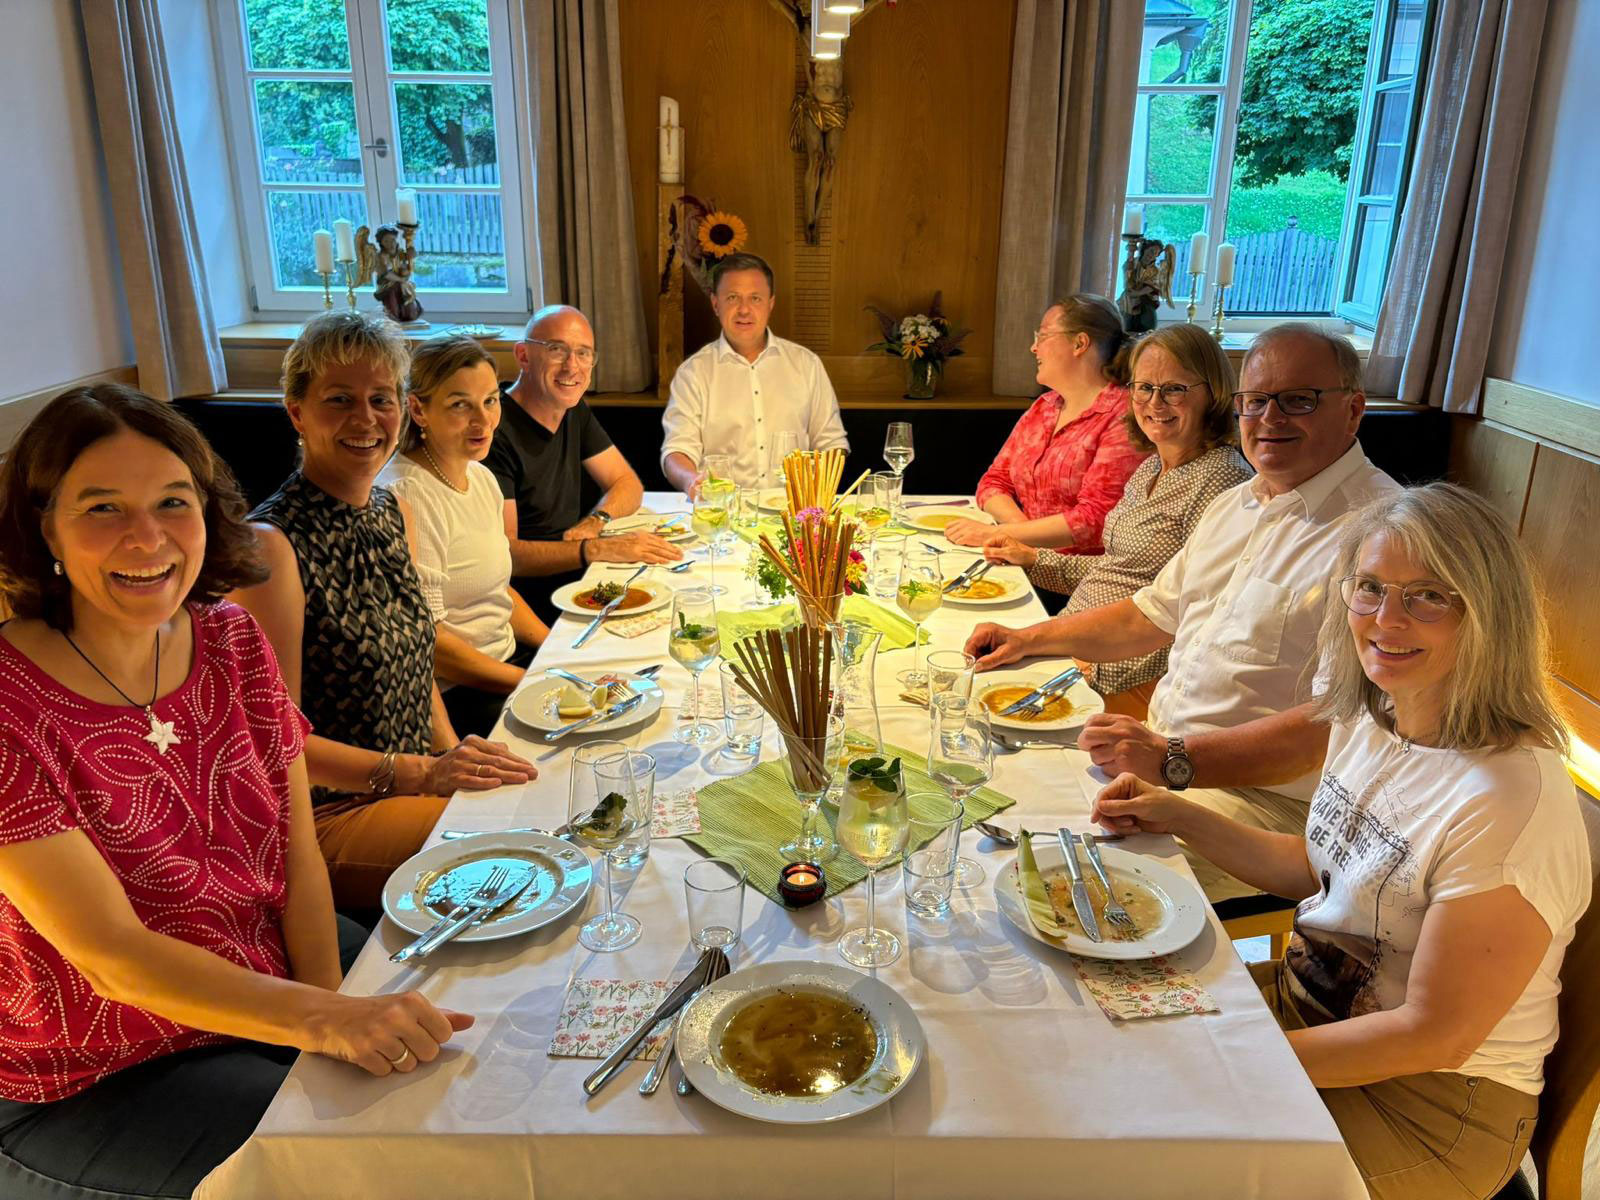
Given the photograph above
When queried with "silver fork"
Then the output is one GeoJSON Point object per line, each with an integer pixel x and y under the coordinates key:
{"type": "Point", "coordinates": [616, 691]}
{"type": "Point", "coordinates": [1034, 707]}
{"type": "Point", "coordinates": [485, 893]}
{"type": "Point", "coordinates": [1114, 911]}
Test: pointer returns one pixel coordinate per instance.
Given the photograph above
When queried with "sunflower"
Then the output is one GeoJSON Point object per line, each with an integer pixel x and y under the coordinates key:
{"type": "Point", "coordinates": [722, 234]}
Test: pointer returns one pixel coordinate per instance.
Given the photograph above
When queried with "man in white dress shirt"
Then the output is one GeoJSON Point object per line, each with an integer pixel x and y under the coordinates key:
{"type": "Point", "coordinates": [1240, 604]}
{"type": "Point", "coordinates": [736, 395]}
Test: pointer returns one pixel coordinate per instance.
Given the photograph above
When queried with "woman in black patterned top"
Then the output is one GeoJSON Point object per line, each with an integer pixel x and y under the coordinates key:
{"type": "Point", "coordinates": [1182, 390]}
{"type": "Point", "coordinates": [346, 615]}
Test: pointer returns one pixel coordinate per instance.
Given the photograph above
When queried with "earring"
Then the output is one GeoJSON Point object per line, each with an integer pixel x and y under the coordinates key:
{"type": "Point", "coordinates": [301, 442]}
{"type": "Point", "coordinates": [59, 569]}
{"type": "Point", "coordinates": [422, 433]}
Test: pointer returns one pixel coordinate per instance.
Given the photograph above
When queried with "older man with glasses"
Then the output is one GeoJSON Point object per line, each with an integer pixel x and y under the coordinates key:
{"type": "Point", "coordinates": [547, 441]}
{"type": "Point", "coordinates": [1240, 603]}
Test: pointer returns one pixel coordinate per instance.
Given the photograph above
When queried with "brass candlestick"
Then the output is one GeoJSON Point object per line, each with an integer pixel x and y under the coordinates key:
{"type": "Point", "coordinates": [1194, 291]}
{"type": "Point", "coordinates": [349, 265]}
{"type": "Point", "coordinates": [327, 289]}
{"type": "Point", "coordinates": [1216, 312]}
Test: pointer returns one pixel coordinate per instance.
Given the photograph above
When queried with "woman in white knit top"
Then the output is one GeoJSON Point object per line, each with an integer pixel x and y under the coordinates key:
{"type": "Point", "coordinates": [486, 633]}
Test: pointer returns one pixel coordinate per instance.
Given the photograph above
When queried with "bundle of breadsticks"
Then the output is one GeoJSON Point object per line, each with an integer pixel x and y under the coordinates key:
{"type": "Point", "coordinates": [819, 541]}
{"type": "Point", "coordinates": [789, 673]}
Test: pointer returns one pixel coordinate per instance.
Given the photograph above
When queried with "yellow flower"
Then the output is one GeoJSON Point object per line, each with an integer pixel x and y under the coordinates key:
{"type": "Point", "coordinates": [722, 234]}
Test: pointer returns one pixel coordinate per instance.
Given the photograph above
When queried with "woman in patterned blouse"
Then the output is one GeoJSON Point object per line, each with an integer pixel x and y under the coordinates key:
{"type": "Point", "coordinates": [345, 612]}
{"type": "Point", "coordinates": [1066, 462]}
{"type": "Point", "coordinates": [1182, 386]}
{"type": "Point", "coordinates": [166, 932]}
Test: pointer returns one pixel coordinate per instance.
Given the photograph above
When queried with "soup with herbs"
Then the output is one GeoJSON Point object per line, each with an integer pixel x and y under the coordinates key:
{"type": "Point", "coordinates": [794, 1042]}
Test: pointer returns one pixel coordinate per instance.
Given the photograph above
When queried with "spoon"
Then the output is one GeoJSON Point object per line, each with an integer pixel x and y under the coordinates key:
{"type": "Point", "coordinates": [1007, 839]}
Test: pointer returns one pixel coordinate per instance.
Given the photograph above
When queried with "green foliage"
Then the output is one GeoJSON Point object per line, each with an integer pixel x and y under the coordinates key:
{"type": "Point", "coordinates": [1315, 200]}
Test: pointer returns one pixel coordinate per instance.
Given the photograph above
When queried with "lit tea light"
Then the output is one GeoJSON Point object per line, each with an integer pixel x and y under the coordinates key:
{"type": "Point", "coordinates": [801, 883]}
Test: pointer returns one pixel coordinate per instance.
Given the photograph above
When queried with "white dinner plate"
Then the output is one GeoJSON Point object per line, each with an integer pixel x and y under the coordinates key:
{"type": "Point", "coordinates": [536, 702]}
{"type": "Point", "coordinates": [772, 499]}
{"type": "Point", "coordinates": [937, 517]}
{"type": "Point", "coordinates": [1183, 905]}
{"type": "Point", "coordinates": [1085, 700]}
{"type": "Point", "coordinates": [425, 886]}
{"type": "Point", "coordinates": [1016, 589]}
{"type": "Point", "coordinates": [901, 1044]}
{"type": "Point", "coordinates": [566, 597]}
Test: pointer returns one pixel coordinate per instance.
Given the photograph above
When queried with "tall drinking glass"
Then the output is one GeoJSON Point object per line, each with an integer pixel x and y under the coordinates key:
{"type": "Point", "coordinates": [929, 870]}
{"type": "Point", "coordinates": [784, 443]}
{"type": "Point", "coordinates": [742, 718]}
{"type": "Point", "coordinates": [883, 570]}
{"type": "Point", "coordinates": [714, 889]}
{"type": "Point", "coordinates": [898, 448]}
{"type": "Point", "coordinates": [949, 673]}
{"type": "Point", "coordinates": [961, 759]}
{"type": "Point", "coordinates": [919, 593]}
{"type": "Point", "coordinates": [614, 804]}
{"type": "Point", "coordinates": [693, 642]}
{"type": "Point", "coordinates": [886, 495]}
{"type": "Point", "coordinates": [873, 828]}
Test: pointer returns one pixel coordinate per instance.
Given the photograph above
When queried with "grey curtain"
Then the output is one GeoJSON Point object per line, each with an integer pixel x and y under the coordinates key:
{"type": "Point", "coordinates": [164, 281]}
{"type": "Point", "coordinates": [583, 225]}
{"type": "Point", "coordinates": [1074, 67]}
{"type": "Point", "coordinates": [1432, 340]}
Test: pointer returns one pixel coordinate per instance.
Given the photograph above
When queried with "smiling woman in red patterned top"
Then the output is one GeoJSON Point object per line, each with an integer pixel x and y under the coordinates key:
{"type": "Point", "coordinates": [1069, 457]}
{"type": "Point", "coordinates": [161, 891]}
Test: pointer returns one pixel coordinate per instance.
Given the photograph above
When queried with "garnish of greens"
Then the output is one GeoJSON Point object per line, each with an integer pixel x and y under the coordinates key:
{"type": "Point", "coordinates": [886, 775]}
{"type": "Point", "coordinates": [606, 819]}
{"type": "Point", "coordinates": [605, 593]}
{"type": "Point", "coordinates": [691, 630]}
{"type": "Point", "coordinates": [912, 588]}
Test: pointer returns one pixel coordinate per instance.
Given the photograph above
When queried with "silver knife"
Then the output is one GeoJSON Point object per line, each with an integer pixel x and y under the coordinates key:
{"type": "Point", "coordinates": [1067, 678]}
{"type": "Point", "coordinates": [720, 966]}
{"type": "Point", "coordinates": [961, 580]}
{"type": "Point", "coordinates": [605, 612]}
{"type": "Point", "coordinates": [460, 919]}
{"type": "Point", "coordinates": [605, 714]}
{"type": "Point", "coordinates": [1080, 890]}
{"type": "Point", "coordinates": [676, 999]}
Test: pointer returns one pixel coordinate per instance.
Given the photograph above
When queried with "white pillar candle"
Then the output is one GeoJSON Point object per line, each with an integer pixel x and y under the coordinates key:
{"type": "Point", "coordinates": [405, 204]}
{"type": "Point", "coordinates": [345, 237]}
{"type": "Point", "coordinates": [671, 150]}
{"type": "Point", "coordinates": [1225, 254]}
{"type": "Point", "coordinates": [668, 109]}
{"type": "Point", "coordinates": [322, 251]}
{"type": "Point", "coordinates": [1197, 253]}
{"type": "Point", "coordinates": [1133, 221]}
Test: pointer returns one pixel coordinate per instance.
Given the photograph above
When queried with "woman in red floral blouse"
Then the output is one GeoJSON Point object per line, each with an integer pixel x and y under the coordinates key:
{"type": "Point", "coordinates": [1068, 459]}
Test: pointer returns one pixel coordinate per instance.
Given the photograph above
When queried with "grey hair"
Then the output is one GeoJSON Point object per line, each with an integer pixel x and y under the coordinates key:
{"type": "Point", "coordinates": [1344, 353]}
{"type": "Point", "coordinates": [339, 339]}
{"type": "Point", "coordinates": [1498, 691]}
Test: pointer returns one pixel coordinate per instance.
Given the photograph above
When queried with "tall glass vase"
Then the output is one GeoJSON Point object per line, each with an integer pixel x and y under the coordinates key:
{"type": "Point", "coordinates": [855, 683]}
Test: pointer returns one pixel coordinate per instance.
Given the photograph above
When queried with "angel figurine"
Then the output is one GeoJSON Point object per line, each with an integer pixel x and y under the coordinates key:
{"type": "Point", "coordinates": [1146, 282]}
{"type": "Point", "coordinates": [390, 264]}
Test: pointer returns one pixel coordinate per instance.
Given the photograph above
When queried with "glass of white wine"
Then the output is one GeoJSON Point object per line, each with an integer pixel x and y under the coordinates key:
{"type": "Point", "coordinates": [710, 517]}
{"type": "Point", "coordinates": [961, 759]}
{"type": "Point", "coordinates": [898, 448]}
{"type": "Point", "coordinates": [873, 825]}
{"type": "Point", "coordinates": [694, 642]}
{"type": "Point", "coordinates": [919, 594]}
{"type": "Point", "coordinates": [603, 814]}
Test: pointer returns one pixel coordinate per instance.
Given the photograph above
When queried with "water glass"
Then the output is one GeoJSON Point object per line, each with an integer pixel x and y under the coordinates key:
{"type": "Point", "coordinates": [949, 674]}
{"type": "Point", "coordinates": [961, 760]}
{"type": "Point", "coordinates": [930, 869]}
{"type": "Point", "coordinates": [742, 717]}
{"type": "Point", "coordinates": [887, 488]}
{"type": "Point", "coordinates": [883, 577]}
{"type": "Point", "coordinates": [714, 888]}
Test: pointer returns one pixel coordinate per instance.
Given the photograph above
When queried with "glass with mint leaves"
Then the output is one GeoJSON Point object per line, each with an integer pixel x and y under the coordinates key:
{"type": "Point", "coordinates": [873, 824]}
{"type": "Point", "coordinates": [615, 802]}
{"type": "Point", "coordinates": [694, 642]}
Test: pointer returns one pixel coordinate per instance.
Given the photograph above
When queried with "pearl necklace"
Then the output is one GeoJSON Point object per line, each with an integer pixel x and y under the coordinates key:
{"type": "Point", "coordinates": [439, 471]}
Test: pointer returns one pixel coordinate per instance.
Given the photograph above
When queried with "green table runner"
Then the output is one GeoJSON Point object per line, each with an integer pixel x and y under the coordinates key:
{"type": "Point", "coordinates": [746, 819]}
{"type": "Point", "coordinates": [733, 624]}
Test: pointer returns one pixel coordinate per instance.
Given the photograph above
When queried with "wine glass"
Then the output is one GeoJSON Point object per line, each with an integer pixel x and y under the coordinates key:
{"type": "Point", "coordinates": [713, 504]}
{"type": "Point", "coordinates": [873, 825]}
{"type": "Point", "coordinates": [694, 642]}
{"type": "Point", "coordinates": [813, 845]}
{"type": "Point", "coordinates": [961, 759]}
{"type": "Point", "coordinates": [784, 443]}
{"type": "Point", "coordinates": [603, 814]}
{"type": "Point", "coordinates": [919, 593]}
{"type": "Point", "coordinates": [898, 448]}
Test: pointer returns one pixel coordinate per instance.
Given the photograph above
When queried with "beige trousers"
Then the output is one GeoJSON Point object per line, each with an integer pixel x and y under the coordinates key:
{"type": "Point", "coordinates": [1439, 1136]}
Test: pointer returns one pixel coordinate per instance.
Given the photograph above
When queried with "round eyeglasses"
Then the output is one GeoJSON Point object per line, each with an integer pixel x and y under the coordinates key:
{"type": "Point", "coordinates": [1428, 602]}
{"type": "Point", "coordinates": [1292, 402]}
{"type": "Point", "coordinates": [1170, 393]}
{"type": "Point", "coordinates": [560, 351]}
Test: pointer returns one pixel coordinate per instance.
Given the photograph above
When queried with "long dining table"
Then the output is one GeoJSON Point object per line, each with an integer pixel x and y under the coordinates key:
{"type": "Point", "coordinates": [1027, 1090]}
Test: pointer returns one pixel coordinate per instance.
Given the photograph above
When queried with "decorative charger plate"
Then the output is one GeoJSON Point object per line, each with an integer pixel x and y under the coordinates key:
{"type": "Point", "coordinates": [938, 517]}
{"type": "Point", "coordinates": [901, 1045]}
{"type": "Point", "coordinates": [1183, 905]}
{"type": "Point", "coordinates": [1085, 700]}
{"type": "Point", "coordinates": [566, 597]}
{"type": "Point", "coordinates": [535, 704]}
{"type": "Point", "coordinates": [428, 884]}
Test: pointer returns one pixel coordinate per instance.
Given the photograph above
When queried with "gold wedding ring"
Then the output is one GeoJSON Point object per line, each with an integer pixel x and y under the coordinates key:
{"type": "Point", "coordinates": [405, 1053]}
{"type": "Point", "coordinates": [478, 770]}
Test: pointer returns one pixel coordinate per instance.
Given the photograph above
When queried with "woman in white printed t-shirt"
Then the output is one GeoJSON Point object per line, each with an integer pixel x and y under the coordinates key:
{"type": "Point", "coordinates": [485, 633]}
{"type": "Point", "coordinates": [1444, 863]}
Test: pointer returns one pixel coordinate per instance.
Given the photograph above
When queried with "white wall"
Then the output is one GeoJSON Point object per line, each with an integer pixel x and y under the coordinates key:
{"type": "Point", "coordinates": [1550, 304]}
{"type": "Point", "coordinates": [62, 315]}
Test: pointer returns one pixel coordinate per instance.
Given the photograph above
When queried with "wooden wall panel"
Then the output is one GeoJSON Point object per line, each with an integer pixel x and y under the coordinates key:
{"type": "Point", "coordinates": [916, 201]}
{"type": "Point", "coordinates": [1562, 530]}
{"type": "Point", "coordinates": [1494, 463]}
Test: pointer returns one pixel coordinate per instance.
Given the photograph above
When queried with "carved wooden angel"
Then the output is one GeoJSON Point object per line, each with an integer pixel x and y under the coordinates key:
{"type": "Point", "coordinates": [389, 263]}
{"type": "Point", "coordinates": [1146, 282]}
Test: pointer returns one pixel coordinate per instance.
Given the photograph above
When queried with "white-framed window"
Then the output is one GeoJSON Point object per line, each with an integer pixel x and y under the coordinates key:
{"type": "Point", "coordinates": [1283, 127]}
{"type": "Point", "coordinates": [335, 105]}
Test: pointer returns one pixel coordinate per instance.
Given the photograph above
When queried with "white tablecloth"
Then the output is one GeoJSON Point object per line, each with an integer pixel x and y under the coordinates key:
{"type": "Point", "coordinates": [1027, 1090]}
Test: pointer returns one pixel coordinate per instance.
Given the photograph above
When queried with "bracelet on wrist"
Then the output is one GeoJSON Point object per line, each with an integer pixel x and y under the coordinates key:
{"type": "Point", "coordinates": [381, 779]}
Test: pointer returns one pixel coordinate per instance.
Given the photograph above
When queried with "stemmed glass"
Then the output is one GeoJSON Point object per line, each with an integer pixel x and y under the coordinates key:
{"type": "Point", "coordinates": [694, 642]}
{"type": "Point", "coordinates": [813, 845]}
{"type": "Point", "coordinates": [602, 815]}
{"type": "Point", "coordinates": [919, 594]}
{"type": "Point", "coordinates": [961, 759]}
{"type": "Point", "coordinates": [713, 505]}
{"type": "Point", "coordinates": [873, 826]}
{"type": "Point", "coordinates": [898, 448]}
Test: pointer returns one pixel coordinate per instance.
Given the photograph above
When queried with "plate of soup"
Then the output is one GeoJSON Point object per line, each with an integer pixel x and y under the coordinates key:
{"type": "Point", "coordinates": [1064, 711]}
{"type": "Point", "coordinates": [937, 518]}
{"type": "Point", "coordinates": [799, 1043]}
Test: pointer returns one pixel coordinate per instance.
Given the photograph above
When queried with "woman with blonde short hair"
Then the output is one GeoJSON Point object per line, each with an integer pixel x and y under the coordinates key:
{"type": "Point", "coordinates": [1444, 864]}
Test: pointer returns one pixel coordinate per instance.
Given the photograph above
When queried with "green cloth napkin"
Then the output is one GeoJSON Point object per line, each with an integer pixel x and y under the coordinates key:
{"type": "Point", "coordinates": [741, 623]}
{"type": "Point", "coordinates": [746, 819]}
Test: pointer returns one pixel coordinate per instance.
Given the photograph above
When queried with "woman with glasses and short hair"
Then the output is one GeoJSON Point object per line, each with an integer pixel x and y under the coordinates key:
{"type": "Point", "coordinates": [1182, 389]}
{"type": "Point", "coordinates": [1444, 864]}
{"type": "Point", "coordinates": [1069, 457]}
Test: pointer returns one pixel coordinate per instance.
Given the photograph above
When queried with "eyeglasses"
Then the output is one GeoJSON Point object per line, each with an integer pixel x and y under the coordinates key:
{"type": "Point", "coordinates": [1292, 402]}
{"type": "Point", "coordinates": [1428, 602]}
{"type": "Point", "coordinates": [560, 351]}
{"type": "Point", "coordinates": [1170, 393]}
{"type": "Point", "coordinates": [1040, 335]}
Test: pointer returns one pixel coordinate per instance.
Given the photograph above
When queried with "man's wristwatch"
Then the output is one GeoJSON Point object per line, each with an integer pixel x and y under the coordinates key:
{"type": "Point", "coordinates": [1177, 770]}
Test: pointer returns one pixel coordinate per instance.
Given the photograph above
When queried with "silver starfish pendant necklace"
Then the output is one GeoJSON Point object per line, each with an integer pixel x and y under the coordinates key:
{"type": "Point", "coordinates": [161, 735]}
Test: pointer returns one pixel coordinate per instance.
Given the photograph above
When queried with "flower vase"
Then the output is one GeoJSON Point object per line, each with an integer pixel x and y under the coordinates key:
{"type": "Point", "coordinates": [922, 378]}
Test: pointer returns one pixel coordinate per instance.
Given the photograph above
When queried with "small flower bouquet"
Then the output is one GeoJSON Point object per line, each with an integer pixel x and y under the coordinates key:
{"type": "Point", "coordinates": [809, 526]}
{"type": "Point", "coordinates": [704, 234]}
{"type": "Point", "coordinates": [924, 341]}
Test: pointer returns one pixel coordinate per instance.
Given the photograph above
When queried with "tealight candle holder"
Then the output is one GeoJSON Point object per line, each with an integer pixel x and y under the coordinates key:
{"type": "Point", "coordinates": [802, 883]}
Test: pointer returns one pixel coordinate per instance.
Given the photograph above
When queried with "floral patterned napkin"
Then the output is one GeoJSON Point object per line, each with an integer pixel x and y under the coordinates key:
{"type": "Point", "coordinates": [676, 815]}
{"type": "Point", "coordinates": [1147, 987]}
{"type": "Point", "coordinates": [632, 627]}
{"type": "Point", "coordinates": [599, 1014]}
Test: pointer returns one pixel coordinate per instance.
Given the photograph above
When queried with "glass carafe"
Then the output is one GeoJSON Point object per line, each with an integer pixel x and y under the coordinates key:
{"type": "Point", "coordinates": [855, 664]}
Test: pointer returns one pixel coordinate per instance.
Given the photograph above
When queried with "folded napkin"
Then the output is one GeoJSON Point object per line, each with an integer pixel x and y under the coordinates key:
{"type": "Point", "coordinates": [632, 627]}
{"type": "Point", "coordinates": [676, 815]}
{"type": "Point", "coordinates": [1146, 987]}
{"type": "Point", "coordinates": [599, 1014]}
{"type": "Point", "coordinates": [897, 630]}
